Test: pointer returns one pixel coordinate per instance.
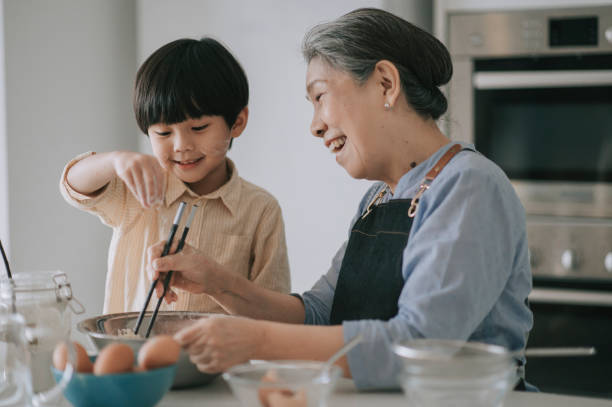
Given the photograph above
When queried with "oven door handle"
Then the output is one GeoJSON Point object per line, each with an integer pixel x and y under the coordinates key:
{"type": "Point", "coordinates": [570, 297]}
{"type": "Point", "coordinates": [541, 79]}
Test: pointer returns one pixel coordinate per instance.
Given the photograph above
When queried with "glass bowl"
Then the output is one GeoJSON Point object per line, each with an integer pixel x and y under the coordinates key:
{"type": "Point", "coordinates": [109, 328]}
{"type": "Point", "coordinates": [282, 383]}
{"type": "Point", "coordinates": [440, 372]}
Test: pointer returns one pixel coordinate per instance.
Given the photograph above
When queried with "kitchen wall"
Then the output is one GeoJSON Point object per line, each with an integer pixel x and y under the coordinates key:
{"type": "Point", "coordinates": [70, 65]}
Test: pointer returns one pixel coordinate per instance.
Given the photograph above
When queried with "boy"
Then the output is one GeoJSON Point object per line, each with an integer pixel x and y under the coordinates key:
{"type": "Point", "coordinates": [190, 99]}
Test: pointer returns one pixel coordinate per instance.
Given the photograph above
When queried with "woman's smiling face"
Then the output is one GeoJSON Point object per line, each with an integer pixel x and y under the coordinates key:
{"type": "Point", "coordinates": [345, 117]}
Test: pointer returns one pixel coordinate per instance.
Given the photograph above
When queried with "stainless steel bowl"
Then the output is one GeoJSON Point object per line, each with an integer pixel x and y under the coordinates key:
{"type": "Point", "coordinates": [110, 328]}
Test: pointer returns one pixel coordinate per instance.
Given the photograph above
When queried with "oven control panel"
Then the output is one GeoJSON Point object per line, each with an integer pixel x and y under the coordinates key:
{"type": "Point", "coordinates": [570, 248]}
{"type": "Point", "coordinates": [528, 32]}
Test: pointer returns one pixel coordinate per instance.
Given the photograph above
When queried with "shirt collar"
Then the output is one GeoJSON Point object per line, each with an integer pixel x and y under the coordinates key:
{"type": "Point", "coordinates": [229, 193]}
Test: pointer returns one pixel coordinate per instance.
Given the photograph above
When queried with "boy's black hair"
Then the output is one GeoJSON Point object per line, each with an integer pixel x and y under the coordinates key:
{"type": "Point", "coordinates": [189, 78]}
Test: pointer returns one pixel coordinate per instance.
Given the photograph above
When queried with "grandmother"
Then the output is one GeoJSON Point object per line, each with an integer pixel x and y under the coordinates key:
{"type": "Point", "coordinates": [437, 248]}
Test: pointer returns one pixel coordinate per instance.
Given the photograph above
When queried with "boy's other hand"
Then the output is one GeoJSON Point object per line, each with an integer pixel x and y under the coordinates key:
{"type": "Point", "coordinates": [143, 175]}
{"type": "Point", "coordinates": [193, 271]}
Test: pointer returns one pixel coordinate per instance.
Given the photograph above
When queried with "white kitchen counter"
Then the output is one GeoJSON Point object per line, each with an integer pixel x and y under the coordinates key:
{"type": "Point", "coordinates": [218, 394]}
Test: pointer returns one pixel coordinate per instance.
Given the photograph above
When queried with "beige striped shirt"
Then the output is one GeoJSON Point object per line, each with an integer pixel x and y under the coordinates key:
{"type": "Point", "coordinates": [239, 225]}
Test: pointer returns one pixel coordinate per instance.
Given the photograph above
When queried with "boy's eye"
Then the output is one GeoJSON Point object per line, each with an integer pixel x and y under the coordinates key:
{"type": "Point", "coordinates": [162, 133]}
{"type": "Point", "coordinates": [198, 128]}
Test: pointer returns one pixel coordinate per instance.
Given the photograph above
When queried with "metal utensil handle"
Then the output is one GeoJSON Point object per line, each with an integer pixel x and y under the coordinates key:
{"type": "Point", "coordinates": [344, 349]}
{"type": "Point", "coordinates": [559, 352]}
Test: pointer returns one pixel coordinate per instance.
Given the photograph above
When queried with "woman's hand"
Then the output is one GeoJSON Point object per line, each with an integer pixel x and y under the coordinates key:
{"type": "Point", "coordinates": [219, 342]}
{"type": "Point", "coordinates": [193, 271]}
{"type": "Point", "coordinates": [143, 176]}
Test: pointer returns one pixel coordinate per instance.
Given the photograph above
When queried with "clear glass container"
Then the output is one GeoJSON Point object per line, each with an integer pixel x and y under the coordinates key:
{"type": "Point", "coordinates": [44, 299]}
{"type": "Point", "coordinates": [440, 373]}
{"type": "Point", "coordinates": [282, 383]}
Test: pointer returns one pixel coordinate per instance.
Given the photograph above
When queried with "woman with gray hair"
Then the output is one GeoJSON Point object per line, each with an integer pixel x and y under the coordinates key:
{"type": "Point", "coordinates": [437, 248]}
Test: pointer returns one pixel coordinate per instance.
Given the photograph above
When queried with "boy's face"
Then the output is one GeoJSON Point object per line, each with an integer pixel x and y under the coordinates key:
{"type": "Point", "coordinates": [194, 149]}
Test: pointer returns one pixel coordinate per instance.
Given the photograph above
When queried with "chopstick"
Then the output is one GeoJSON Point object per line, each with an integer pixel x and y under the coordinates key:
{"type": "Point", "coordinates": [175, 224]}
{"type": "Point", "coordinates": [6, 263]}
{"type": "Point", "coordinates": [169, 275]}
{"type": "Point", "coordinates": [10, 277]}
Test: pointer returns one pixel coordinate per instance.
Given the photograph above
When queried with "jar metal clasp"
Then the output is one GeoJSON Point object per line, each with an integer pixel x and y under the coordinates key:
{"type": "Point", "coordinates": [63, 292]}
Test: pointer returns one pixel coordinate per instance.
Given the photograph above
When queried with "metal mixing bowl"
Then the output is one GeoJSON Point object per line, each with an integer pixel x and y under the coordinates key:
{"type": "Point", "coordinates": [110, 328]}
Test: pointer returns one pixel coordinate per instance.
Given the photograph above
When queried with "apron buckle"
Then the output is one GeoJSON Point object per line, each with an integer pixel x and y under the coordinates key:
{"type": "Point", "coordinates": [414, 204]}
{"type": "Point", "coordinates": [374, 202]}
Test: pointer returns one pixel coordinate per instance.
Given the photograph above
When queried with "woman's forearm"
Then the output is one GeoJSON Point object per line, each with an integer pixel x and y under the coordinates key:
{"type": "Point", "coordinates": [240, 296]}
{"type": "Point", "coordinates": [301, 342]}
{"type": "Point", "coordinates": [92, 173]}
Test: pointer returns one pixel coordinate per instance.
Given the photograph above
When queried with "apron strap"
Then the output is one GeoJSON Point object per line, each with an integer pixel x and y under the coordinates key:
{"type": "Point", "coordinates": [431, 175]}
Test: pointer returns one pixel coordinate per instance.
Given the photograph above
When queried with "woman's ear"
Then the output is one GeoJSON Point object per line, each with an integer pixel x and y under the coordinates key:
{"type": "Point", "coordinates": [240, 123]}
{"type": "Point", "coordinates": [388, 79]}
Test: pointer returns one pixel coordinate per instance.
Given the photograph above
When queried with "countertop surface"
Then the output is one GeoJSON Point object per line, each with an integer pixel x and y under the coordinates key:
{"type": "Point", "coordinates": [218, 393]}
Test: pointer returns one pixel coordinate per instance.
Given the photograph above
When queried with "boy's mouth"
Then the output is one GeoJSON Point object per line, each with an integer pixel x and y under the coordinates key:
{"type": "Point", "coordinates": [187, 163]}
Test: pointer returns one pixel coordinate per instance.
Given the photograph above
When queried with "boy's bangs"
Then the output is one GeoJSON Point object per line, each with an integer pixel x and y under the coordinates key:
{"type": "Point", "coordinates": [189, 79]}
{"type": "Point", "coordinates": [176, 103]}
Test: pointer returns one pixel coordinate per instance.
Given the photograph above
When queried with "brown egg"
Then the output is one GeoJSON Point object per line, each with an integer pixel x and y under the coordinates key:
{"type": "Point", "coordinates": [114, 358]}
{"type": "Point", "coordinates": [280, 399]}
{"type": "Point", "coordinates": [159, 351]}
{"type": "Point", "coordinates": [60, 358]}
{"type": "Point", "coordinates": [265, 393]}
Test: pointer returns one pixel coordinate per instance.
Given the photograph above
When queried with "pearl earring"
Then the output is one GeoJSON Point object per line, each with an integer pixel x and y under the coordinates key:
{"type": "Point", "coordinates": [387, 106]}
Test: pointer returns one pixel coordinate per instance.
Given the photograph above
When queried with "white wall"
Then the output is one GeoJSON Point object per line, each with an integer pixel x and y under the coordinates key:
{"type": "Point", "coordinates": [276, 151]}
{"type": "Point", "coordinates": [69, 71]}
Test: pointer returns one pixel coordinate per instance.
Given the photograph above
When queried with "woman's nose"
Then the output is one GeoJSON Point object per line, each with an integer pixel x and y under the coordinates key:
{"type": "Point", "coordinates": [318, 127]}
{"type": "Point", "coordinates": [182, 142]}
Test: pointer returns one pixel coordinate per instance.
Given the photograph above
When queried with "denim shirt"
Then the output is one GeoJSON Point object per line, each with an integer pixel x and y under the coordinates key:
{"type": "Point", "coordinates": [465, 267]}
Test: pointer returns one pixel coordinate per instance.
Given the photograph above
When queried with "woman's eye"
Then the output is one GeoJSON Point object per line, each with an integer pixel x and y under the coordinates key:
{"type": "Point", "coordinates": [198, 128]}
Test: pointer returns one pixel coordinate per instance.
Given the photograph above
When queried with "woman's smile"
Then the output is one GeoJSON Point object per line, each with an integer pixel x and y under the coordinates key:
{"type": "Point", "coordinates": [336, 144]}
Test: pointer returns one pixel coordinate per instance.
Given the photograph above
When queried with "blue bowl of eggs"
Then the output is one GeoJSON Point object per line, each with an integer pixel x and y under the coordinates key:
{"type": "Point", "coordinates": [113, 378]}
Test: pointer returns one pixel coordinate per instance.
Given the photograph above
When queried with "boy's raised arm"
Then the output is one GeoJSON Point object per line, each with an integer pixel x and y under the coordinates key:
{"type": "Point", "coordinates": [91, 174]}
{"type": "Point", "coordinates": [141, 173]}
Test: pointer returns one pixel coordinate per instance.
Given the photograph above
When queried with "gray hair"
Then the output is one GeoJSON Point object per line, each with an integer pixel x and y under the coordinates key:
{"type": "Point", "coordinates": [357, 41]}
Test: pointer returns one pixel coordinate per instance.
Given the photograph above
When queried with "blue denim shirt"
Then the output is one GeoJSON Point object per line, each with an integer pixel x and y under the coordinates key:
{"type": "Point", "coordinates": [465, 267]}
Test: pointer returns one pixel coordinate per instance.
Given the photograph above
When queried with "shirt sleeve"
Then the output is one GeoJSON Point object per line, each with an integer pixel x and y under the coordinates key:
{"type": "Point", "coordinates": [270, 267]}
{"type": "Point", "coordinates": [456, 263]}
{"type": "Point", "coordinates": [109, 204]}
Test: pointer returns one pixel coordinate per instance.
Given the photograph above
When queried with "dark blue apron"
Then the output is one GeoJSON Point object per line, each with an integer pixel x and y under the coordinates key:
{"type": "Point", "coordinates": [370, 279]}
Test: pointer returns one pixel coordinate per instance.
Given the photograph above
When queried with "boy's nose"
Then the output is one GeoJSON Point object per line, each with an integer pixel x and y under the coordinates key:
{"type": "Point", "coordinates": [182, 142]}
{"type": "Point", "coordinates": [318, 127]}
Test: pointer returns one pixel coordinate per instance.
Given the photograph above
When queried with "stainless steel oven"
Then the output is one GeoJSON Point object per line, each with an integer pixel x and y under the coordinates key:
{"type": "Point", "coordinates": [533, 91]}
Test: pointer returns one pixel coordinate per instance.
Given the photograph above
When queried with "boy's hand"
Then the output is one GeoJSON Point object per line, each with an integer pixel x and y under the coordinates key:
{"type": "Point", "coordinates": [193, 271]}
{"type": "Point", "coordinates": [143, 176]}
